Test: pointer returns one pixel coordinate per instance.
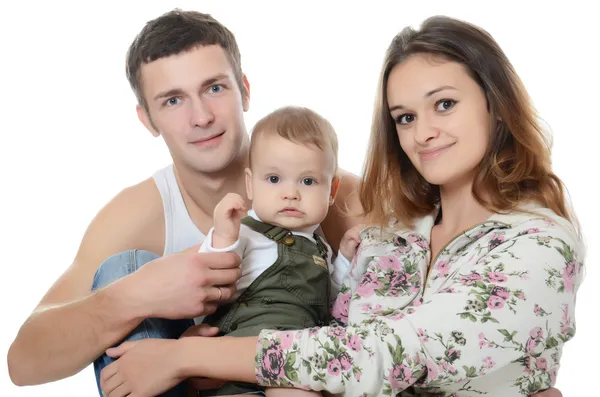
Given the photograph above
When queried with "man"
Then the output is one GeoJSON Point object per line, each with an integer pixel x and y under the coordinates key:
{"type": "Point", "coordinates": [185, 70]}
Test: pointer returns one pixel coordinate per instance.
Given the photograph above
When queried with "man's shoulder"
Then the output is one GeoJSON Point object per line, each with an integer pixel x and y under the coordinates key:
{"type": "Point", "coordinates": [141, 199]}
{"type": "Point", "coordinates": [132, 219]}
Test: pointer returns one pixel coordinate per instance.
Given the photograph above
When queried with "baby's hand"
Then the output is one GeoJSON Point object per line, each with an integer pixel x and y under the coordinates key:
{"type": "Point", "coordinates": [227, 218]}
{"type": "Point", "coordinates": [350, 242]}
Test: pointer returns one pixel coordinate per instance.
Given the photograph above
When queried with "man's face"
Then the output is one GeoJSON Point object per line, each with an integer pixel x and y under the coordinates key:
{"type": "Point", "coordinates": [195, 103]}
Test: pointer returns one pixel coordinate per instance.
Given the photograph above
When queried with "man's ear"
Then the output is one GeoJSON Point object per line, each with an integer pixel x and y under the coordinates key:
{"type": "Point", "coordinates": [245, 93]}
{"type": "Point", "coordinates": [249, 183]}
{"type": "Point", "coordinates": [146, 120]}
{"type": "Point", "coordinates": [335, 186]}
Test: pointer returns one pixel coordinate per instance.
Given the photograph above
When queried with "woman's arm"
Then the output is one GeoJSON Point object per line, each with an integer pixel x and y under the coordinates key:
{"type": "Point", "coordinates": [511, 318]}
{"type": "Point", "coordinates": [225, 358]}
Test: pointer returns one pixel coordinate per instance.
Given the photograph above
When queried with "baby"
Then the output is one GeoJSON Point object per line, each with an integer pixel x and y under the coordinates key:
{"type": "Point", "coordinates": [288, 278]}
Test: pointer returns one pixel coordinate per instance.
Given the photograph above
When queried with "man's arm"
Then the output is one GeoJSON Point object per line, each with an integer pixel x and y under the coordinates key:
{"type": "Point", "coordinates": [345, 212]}
{"type": "Point", "coordinates": [72, 326]}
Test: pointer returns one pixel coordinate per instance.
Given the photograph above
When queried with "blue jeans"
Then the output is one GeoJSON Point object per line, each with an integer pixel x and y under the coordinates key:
{"type": "Point", "coordinates": [121, 265]}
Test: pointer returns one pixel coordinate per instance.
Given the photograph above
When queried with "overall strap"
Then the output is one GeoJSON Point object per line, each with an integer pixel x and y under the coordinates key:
{"type": "Point", "coordinates": [275, 233]}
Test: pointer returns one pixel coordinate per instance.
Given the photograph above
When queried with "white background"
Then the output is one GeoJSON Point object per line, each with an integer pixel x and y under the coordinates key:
{"type": "Point", "coordinates": [70, 139]}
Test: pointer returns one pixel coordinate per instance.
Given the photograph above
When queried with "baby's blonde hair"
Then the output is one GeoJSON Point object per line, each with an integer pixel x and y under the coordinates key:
{"type": "Point", "coordinates": [299, 125]}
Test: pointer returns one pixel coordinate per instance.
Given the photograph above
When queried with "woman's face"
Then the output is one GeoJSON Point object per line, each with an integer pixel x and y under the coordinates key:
{"type": "Point", "coordinates": [441, 118]}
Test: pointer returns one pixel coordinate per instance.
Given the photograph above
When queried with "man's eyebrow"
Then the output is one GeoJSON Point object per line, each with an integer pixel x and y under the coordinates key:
{"type": "Point", "coordinates": [178, 91]}
{"type": "Point", "coordinates": [170, 93]}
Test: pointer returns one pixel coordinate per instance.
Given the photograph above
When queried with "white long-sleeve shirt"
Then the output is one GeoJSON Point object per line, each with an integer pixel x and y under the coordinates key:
{"type": "Point", "coordinates": [259, 252]}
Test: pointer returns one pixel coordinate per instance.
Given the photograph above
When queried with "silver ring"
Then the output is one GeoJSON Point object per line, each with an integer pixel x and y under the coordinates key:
{"type": "Point", "coordinates": [220, 293]}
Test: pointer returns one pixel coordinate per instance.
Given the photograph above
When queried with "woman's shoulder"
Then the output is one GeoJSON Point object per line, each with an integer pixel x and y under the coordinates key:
{"type": "Point", "coordinates": [535, 219]}
{"type": "Point", "coordinates": [534, 231]}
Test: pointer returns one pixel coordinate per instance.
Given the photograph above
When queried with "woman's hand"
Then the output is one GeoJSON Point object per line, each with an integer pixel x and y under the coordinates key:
{"type": "Point", "coordinates": [146, 367]}
{"type": "Point", "coordinates": [195, 384]}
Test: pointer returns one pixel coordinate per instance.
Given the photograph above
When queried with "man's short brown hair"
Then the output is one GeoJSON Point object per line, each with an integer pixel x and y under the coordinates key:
{"type": "Point", "coordinates": [175, 32]}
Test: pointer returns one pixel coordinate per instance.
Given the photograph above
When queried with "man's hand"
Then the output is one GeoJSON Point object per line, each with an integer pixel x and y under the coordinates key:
{"type": "Point", "coordinates": [350, 242]}
{"type": "Point", "coordinates": [184, 285]}
{"type": "Point", "coordinates": [549, 393]}
{"type": "Point", "coordinates": [227, 219]}
{"type": "Point", "coordinates": [145, 368]}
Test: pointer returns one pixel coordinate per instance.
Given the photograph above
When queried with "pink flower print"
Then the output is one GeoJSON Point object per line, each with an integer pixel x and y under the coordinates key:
{"type": "Point", "coordinates": [500, 292]}
{"type": "Point", "coordinates": [397, 316]}
{"type": "Point", "coordinates": [340, 307]}
{"type": "Point", "coordinates": [367, 285]}
{"type": "Point", "coordinates": [449, 290]}
{"type": "Point", "coordinates": [537, 333]}
{"type": "Point", "coordinates": [389, 262]}
{"type": "Point", "coordinates": [334, 367]}
{"type": "Point", "coordinates": [482, 343]}
{"type": "Point", "coordinates": [400, 377]}
{"type": "Point", "coordinates": [377, 308]}
{"type": "Point", "coordinates": [345, 361]}
{"type": "Point", "coordinates": [337, 332]}
{"type": "Point", "coordinates": [432, 372]}
{"type": "Point", "coordinates": [522, 296]}
{"type": "Point", "coordinates": [568, 276]}
{"type": "Point", "coordinates": [442, 267]}
{"type": "Point", "coordinates": [532, 230]}
{"type": "Point", "coordinates": [418, 302]}
{"type": "Point", "coordinates": [495, 302]}
{"type": "Point", "coordinates": [537, 310]}
{"type": "Point", "coordinates": [531, 345]}
{"type": "Point", "coordinates": [453, 354]}
{"type": "Point", "coordinates": [398, 282]}
{"type": "Point", "coordinates": [422, 335]}
{"type": "Point", "coordinates": [495, 240]}
{"type": "Point", "coordinates": [481, 336]}
{"type": "Point", "coordinates": [489, 362]}
{"type": "Point", "coordinates": [313, 331]}
{"type": "Point", "coordinates": [354, 343]}
{"type": "Point", "coordinates": [357, 376]}
{"type": "Point", "coordinates": [366, 307]}
{"type": "Point", "coordinates": [287, 340]}
{"type": "Point", "coordinates": [415, 289]}
{"type": "Point", "coordinates": [471, 278]}
{"type": "Point", "coordinates": [541, 363]}
{"type": "Point", "coordinates": [496, 277]}
{"type": "Point", "coordinates": [416, 239]}
{"type": "Point", "coordinates": [273, 363]}
{"type": "Point", "coordinates": [447, 367]}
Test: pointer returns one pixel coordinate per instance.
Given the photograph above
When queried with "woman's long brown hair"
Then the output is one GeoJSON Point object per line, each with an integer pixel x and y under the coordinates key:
{"type": "Point", "coordinates": [517, 165]}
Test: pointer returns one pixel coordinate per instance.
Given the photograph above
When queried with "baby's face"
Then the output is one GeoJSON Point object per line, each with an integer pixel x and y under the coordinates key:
{"type": "Point", "coordinates": [290, 184]}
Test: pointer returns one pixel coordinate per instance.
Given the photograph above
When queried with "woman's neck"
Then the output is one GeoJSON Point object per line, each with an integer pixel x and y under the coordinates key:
{"type": "Point", "coordinates": [460, 210]}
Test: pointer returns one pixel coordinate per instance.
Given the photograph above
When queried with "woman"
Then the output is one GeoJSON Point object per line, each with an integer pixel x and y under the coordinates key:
{"type": "Point", "coordinates": [466, 282]}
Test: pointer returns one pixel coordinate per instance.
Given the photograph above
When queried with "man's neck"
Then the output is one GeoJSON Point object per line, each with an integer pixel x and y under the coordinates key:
{"type": "Point", "coordinates": [202, 192]}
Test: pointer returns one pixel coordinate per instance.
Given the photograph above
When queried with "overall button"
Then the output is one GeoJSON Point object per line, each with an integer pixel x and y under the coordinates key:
{"type": "Point", "coordinates": [288, 240]}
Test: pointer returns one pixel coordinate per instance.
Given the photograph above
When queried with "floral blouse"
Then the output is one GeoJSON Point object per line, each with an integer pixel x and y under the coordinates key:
{"type": "Point", "coordinates": [490, 318]}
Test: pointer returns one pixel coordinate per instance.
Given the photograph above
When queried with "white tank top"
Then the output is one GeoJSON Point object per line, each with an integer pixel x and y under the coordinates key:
{"type": "Point", "coordinates": [180, 231]}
